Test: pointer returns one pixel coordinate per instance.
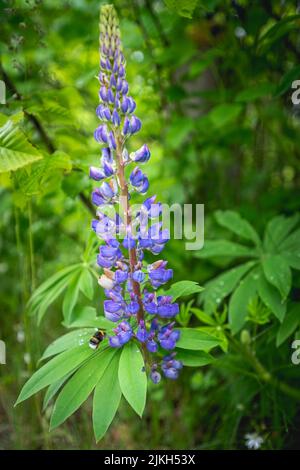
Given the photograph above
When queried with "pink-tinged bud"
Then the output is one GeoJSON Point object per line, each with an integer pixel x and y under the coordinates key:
{"type": "Point", "coordinates": [105, 282]}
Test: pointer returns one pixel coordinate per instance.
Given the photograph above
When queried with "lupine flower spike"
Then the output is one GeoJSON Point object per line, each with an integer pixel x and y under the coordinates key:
{"type": "Point", "coordinates": [130, 284]}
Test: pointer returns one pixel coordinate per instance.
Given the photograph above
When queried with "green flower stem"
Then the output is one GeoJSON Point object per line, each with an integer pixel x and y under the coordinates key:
{"type": "Point", "coordinates": [263, 374]}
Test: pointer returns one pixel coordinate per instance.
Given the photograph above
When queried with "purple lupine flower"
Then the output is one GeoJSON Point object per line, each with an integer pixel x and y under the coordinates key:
{"type": "Point", "coordinates": [171, 367]}
{"type": "Point", "coordinates": [123, 334]}
{"type": "Point", "coordinates": [129, 283]}
{"type": "Point", "coordinates": [154, 374]}
{"type": "Point", "coordinates": [142, 155]}
{"type": "Point", "coordinates": [167, 336]}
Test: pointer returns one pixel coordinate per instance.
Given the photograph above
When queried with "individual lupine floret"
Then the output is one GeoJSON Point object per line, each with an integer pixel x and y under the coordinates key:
{"type": "Point", "coordinates": [123, 333]}
{"type": "Point", "coordinates": [171, 366]}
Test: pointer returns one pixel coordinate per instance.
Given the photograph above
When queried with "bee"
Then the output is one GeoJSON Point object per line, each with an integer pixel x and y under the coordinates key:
{"type": "Point", "coordinates": [96, 339]}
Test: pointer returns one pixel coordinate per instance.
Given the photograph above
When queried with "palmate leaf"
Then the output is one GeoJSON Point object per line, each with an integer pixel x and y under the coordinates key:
{"type": "Point", "coordinates": [278, 273]}
{"type": "Point", "coordinates": [54, 388]}
{"type": "Point", "coordinates": [71, 297]}
{"type": "Point", "coordinates": [236, 224]}
{"type": "Point", "coordinates": [239, 301]}
{"type": "Point", "coordinates": [80, 386]}
{"type": "Point", "coordinates": [86, 283]}
{"type": "Point", "coordinates": [15, 150]}
{"type": "Point", "coordinates": [107, 396]}
{"type": "Point", "coordinates": [224, 248]}
{"type": "Point", "coordinates": [69, 340]}
{"type": "Point", "coordinates": [220, 287]}
{"type": "Point", "coordinates": [291, 322]}
{"type": "Point", "coordinates": [53, 370]}
{"type": "Point", "coordinates": [132, 377]}
{"type": "Point", "coordinates": [271, 297]}
{"type": "Point", "coordinates": [68, 279]}
{"type": "Point", "coordinates": [277, 231]}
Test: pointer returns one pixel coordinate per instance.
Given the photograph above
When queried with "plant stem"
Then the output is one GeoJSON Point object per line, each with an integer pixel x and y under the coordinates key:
{"type": "Point", "coordinates": [31, 247]}
{"type": "Point", "coordinates": [124, 206]}
{"type": "Point", "coordinates": [263, 374]}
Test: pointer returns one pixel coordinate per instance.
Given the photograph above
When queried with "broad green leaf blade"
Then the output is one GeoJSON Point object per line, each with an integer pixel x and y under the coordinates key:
{"type": "Point", "coordinates": [15, 150]}
{"type": "Point", "coordinates": [132, 377]}
{"type": "Point", "coordinates": [68, 341]}
{"type": "Point", "coordinates": [70, 298]}
{"type": "Point", "coordinates": [271, 297]}
{"type": "Point", "coordinates": [291, 322]}
{"type": "Point", "coordinates": [278, 273]}
{"type": "Point", "coordinates": [107, 396]}
{"type": "Point", "coordinates": [86, 283]}
{"type": "Point", "coordinates": [54, 388]}
{"type": "Point", "coordinates": [239, 302]}
{"type": "Point", "coordinates": [217, 289]}
{"type": "Point", "coordinates": [196, 340]}
{"type": "Point", "coordinates": [224, 248]}
{"type": "Point", "coordinates": [80, 386]}
{"type": "Point", "coordinates": [277, 231]}
{"type": "Point", "coordinates": [194, 358]}
{"type": "Point", "coordinates": [183, 289]}
{"type": "Point", "coordinates": [236, 224]}
{"type": "Point", "coordinates": [54, 369]}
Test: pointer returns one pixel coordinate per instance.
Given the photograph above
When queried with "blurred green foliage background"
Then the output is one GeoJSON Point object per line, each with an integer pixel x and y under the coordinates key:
{"type": "Point", "coordinates": [212, 81]}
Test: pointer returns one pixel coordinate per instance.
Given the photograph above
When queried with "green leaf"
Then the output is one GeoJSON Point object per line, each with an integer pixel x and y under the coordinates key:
{"type": "Point", "coordinates": [277, 231]}
{"type": "Point", "coordinates": [182, 7]}
{"type": "Point", "coordinates": [202, 316]}
{"type": "Point", "coordinates": [292, 259]}
{"type": "Point", "coordinates": [291, 322]}
{"type": "Point", "coordinates": [224, 114]}
{"type": "Point", "coordinates": [217, 289]}
{"type": "Point", "coordinates": [34, 181]}
{"type": "Point", "coordinates": [287, 80]}
{"type": "Point", "coordinates": [278, 273]}
{"type": "Point", "coordinates": [79, 387]}
{"type": "Point", "coordinates": [255, 92]}
{"type": "Point", "coordinates": [15, 150]}
{"type": "Point", "coordinates": [271, 297]}
{"type": "Point", "coordinates": [132, 377]}
{"type": "Point", "coordinates": [86, 284]}
{"type": "Point", "coordinates": [54, 369]}
{"type": "Point", "coordinates": [194, 358]}
{"type": "Point", "coordinates": [220, 248]}
{"type": "Point", "coordinates": [236, 224]}
{"type": "Point", "coordinates": [183, 289]}
{"type": "Point", "coordinates": [68, 341]}
{"type": "Point", "coordinates": [218, 333]}
{"type": "Point", "coordinates": [107, 396]}
{"type": "Point", "coordinates": [196, 340]}
{"type": "Point", "coordinates": [54, 388]}
{"type": "Point", "coordinates": [239, 302]}
{"type": "Point", "coordinates": [292, 243]}
{"type": "Point", "coordinates": [51, 281]}
{"type": "Point", "coordinates": [71, 298]}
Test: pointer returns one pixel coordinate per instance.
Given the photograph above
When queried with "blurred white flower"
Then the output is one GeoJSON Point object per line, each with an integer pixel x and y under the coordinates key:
{"type": "Point", "coordinates": [20, 336]}
{"type": "Point", "coordinates": [253, 440]}
{"type": "Point", "coordinates": [27, 358]}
